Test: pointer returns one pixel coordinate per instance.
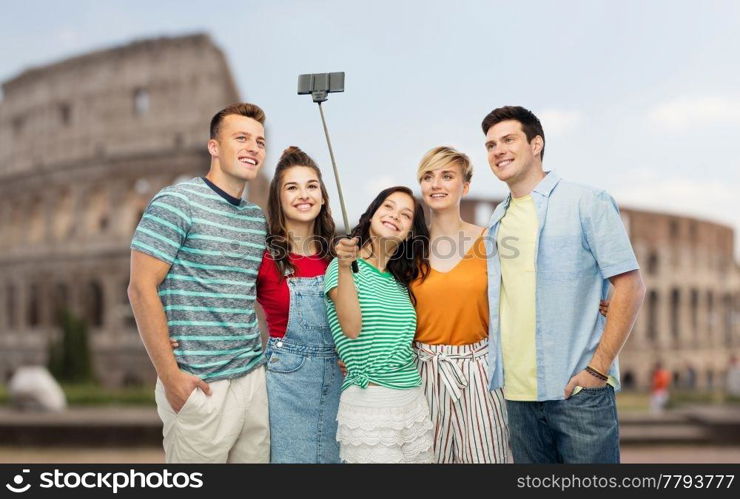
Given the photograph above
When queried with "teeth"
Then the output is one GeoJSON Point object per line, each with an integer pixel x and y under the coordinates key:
{"type": "Point", "coordinates": [438, 195]}
{"type": "Point", "coordinates": [248, 160]}
{"type": "Point", "coordinates": [504, 163]}
{"type": "Point", "coordinates": [390, 225]}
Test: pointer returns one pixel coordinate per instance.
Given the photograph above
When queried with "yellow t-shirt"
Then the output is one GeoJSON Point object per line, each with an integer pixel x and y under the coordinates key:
{"type": "Point", "coordinates": [517, 308]}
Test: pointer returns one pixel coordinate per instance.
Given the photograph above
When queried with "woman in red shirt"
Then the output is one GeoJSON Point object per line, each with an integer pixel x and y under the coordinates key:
{"type": "Point", "coordinates": [303, 379]}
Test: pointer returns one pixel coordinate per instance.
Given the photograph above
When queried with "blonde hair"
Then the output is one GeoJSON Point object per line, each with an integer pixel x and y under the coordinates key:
{"type": "Point", "coordinates": [443, 156]}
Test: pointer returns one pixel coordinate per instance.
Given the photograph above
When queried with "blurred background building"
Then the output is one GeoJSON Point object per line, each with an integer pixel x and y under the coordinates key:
{"type": "Point", "coordinates": [86, 142]}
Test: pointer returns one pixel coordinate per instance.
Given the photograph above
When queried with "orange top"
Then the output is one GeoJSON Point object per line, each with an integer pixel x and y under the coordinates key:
{"type": "Point", "coordinates": [452, 307]}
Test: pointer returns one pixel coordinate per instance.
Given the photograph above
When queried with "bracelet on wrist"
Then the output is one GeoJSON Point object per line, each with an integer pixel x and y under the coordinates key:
{"type": "Point", "coordinates": [597, 371]}
{"type": "Point", "coordinates": [597, 374]}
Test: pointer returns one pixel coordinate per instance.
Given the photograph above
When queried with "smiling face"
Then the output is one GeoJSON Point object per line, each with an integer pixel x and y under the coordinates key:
{"type": "Point", "coordinates": [394, 218]}
{"type": "Point", "coordinates": [300, 194]}
{"type": "Point", "coordinates": [239, 147]}
{"type": "Point", "coordinates": [443, 187]}
{"type": "Point", "coordinates": [511, 156]}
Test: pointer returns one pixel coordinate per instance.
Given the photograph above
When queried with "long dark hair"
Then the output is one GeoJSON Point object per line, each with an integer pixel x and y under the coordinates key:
{"type": "Point", "coordinates": [278, 242]}
{"type": "Point", "coordinates": [411, 258]}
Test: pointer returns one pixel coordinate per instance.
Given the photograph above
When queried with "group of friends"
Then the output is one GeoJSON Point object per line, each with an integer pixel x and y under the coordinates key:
{"type": "Point", "coordinates": [447, 342]}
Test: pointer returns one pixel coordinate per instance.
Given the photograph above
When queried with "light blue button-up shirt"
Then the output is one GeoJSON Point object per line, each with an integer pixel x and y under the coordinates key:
{"type": "Point", "coordinates": [581, 243]}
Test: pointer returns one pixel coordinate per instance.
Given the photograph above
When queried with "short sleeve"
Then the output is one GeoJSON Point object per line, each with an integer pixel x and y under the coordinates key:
{"type": "Point", "coordinates": [606, 236]}
{"type": "Point", "coordinates": [163, 227]}
{"type": "Point", "coordinates": [331, 278]}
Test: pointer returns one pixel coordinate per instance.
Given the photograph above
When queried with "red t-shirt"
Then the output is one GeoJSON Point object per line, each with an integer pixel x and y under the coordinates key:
{"type": "Point", "coordinates": [661, 379]}
{"type": "Point", "coordinates": [272, 288]}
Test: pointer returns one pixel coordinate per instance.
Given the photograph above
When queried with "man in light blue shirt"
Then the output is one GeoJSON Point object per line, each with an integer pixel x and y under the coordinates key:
{"type": "Point", "coordinates": [548, 343]}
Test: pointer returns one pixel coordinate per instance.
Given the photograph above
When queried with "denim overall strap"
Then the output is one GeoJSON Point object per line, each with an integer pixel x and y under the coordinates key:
{"type": "Point", "coordinates": [308, 330]}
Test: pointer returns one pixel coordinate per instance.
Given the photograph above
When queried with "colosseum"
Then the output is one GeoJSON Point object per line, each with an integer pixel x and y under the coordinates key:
{"type": "Point", "coordinates": [690, 320]}
{"type": "Point", "coordinates": [84, 144]}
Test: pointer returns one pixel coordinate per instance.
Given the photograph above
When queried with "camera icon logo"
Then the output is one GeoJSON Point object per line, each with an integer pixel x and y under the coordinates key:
{"type": "Point", "coordinates": [18, 488]}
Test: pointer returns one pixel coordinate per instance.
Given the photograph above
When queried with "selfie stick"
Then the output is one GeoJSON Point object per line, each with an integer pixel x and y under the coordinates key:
{"type": "Point", "coordinates": [319, 85]}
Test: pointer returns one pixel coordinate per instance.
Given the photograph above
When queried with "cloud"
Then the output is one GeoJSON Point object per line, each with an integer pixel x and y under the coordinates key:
{"type": "Point", "coordinates": [376, 184]}
{"type": "Point", "coordinates": [684, 112]}
{"type": "Point", "coordinates": [68, 37]}
{"type": "Point", "coordinates": [558, 122]}
{"type": "Point", "coordinates": [678, 194]}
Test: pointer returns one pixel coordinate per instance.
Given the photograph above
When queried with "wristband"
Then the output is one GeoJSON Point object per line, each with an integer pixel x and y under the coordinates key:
{"type": "Point", "coordinates": [593, 372]}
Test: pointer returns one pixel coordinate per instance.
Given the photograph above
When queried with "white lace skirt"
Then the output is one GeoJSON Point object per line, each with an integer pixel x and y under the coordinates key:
{"type": "Point", "coordinates": [383, 425]}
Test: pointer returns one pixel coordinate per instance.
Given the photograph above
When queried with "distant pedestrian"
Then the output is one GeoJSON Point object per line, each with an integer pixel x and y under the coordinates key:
{"type": "Point", "coordinates": [690, 377]}
{"type": "Point", "coordinates": [660, 382]}
{"type": "Point", "coordinates": [732, 381]}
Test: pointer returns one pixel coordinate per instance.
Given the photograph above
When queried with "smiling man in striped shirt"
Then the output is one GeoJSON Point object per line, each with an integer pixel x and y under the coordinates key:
{"type": "Point", "coordinates": [194, 262]}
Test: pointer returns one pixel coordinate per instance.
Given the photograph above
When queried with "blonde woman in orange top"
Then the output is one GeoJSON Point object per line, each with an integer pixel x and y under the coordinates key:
{"type": "Point", "coordinates": [451, 342]}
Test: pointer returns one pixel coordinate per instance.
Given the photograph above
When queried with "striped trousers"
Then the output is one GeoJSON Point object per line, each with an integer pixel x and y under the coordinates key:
{"type": "Point", "coordinates": [470, 422]}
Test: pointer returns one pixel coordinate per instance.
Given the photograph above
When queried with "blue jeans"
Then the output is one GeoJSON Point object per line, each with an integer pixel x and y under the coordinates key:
{"type": "Point", "coordinates": [581, 429]}
{"type": "Point", "coordinates": [304, 381]}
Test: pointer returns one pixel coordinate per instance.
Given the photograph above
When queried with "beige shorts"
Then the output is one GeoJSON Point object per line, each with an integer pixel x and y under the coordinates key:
{"type": "Point", "coordinates": [231, 425]}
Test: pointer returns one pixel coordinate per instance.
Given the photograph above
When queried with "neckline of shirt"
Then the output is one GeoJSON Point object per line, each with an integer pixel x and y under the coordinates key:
{"type": "Point", "coordinates": [292, 255]}
{"type": "Point", "coordinates": [522, 199]}
{"type": "Point", "coordinates": [312, 257]}
{"type": "Point", "coordinates": [374, 268]}
{"type": "Point", "coordinates": [228, 197]}
{"type": "Point", "coordinates": [459, 262]}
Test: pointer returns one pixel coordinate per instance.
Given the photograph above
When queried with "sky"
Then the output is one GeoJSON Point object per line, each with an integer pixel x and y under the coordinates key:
{"type": "Point", "coordinates": [639, 98]}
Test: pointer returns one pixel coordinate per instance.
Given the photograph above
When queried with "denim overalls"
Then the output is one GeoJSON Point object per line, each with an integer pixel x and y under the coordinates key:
{"type": "Point", "coordinates": [304, 381]}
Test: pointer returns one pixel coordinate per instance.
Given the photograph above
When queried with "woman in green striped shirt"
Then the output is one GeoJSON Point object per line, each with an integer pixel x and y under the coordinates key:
{"type": "Point", "coordinates": [383, 414]}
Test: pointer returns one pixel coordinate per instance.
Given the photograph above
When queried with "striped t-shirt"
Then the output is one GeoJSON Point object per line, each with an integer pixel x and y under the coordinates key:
{"type": "Point", "coordinates": [382, 353]}
{"type": "Point", "coordinates": [215, 250]}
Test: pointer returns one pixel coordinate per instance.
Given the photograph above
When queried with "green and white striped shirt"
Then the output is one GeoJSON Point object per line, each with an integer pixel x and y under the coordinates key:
{"type": "Point", "coordinates": [382, 353]}
{"type": "Point", "coordinates": [215, 250]}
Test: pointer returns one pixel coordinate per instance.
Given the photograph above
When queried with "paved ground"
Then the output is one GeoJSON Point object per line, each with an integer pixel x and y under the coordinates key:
{"type": "Point", "coordinates": [630, 454]}
{"type": "Point", "coordinates": [80, 455]}
{"type": "Point", "coordinates": [685, 436]}
{"type": "Point", "coordinates": [680, 454]}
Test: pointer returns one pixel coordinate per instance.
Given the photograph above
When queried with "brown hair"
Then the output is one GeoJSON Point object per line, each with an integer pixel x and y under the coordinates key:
{"type": "Point", "coordinates": [241, 108]}
{"type": "Point", "coordinates": [531, 125]}
{"type": "Point", "coordinates": [278, 242]}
